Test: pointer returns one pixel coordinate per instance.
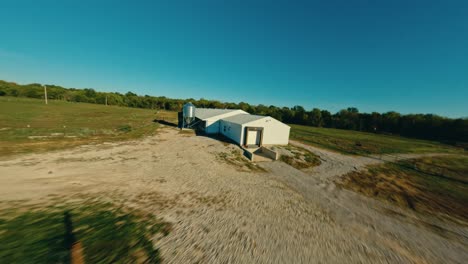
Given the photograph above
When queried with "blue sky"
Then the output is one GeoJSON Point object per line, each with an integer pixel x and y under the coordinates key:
{"type": "Point", "coordinates": [407, 56]}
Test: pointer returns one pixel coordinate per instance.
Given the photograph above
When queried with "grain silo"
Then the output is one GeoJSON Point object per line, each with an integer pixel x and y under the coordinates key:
{"type": "Point", "coordinates": [188, 115]}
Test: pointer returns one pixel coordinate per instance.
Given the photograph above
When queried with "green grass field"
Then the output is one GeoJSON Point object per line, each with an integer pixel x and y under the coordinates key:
{"type": "Point", "coordinates": [28, 125]}
{"type": "Point", "coordinates": [361, 143]}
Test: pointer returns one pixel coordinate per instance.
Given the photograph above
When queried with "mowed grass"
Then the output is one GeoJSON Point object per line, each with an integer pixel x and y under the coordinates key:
{"type": "Point", "coordinates": [100, 231]}
{"type": "Point", "coordinates": [432, 185]}
{"type": "Point", "coordinates": [28, 125]}
{"type": "Point", "coordinates": [362, 143]}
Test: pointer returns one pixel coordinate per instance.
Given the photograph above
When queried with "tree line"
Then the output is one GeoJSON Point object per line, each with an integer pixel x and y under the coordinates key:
{"type": "Point", "coordinates": [422, 126]}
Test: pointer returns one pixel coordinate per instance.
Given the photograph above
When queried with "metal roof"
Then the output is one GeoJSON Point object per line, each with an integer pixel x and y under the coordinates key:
{"type": "Point", "coordinates": [243, 118]}
{"type": "Point", "coordinates": [205, 113]}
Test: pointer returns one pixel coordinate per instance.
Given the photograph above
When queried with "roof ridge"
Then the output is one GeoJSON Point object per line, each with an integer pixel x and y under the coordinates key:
{"type": "Point", "coordinates": [217, 108]}
{"type": "Point", "coordinates": [240, 119]}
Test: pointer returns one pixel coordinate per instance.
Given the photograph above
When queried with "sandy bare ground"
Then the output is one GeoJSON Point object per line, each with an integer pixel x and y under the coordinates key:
{"type": "Point", "coordinates": [224, 213]}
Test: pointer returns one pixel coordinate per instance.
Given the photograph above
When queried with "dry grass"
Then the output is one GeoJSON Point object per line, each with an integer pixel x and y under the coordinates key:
{"type": "Point", "coordinates": [236, 159]}
{"type": "Point", "coordinates": [187, 132]}
{"type": "Point", "coordinates": [298, 157]}
{"type": "Point", "coordinates": [419, 191]}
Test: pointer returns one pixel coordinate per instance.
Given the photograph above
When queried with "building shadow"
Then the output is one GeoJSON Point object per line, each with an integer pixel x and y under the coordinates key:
{"type": "Point", "coordinates": [164, 122]}
{"type": "Point", "coordinates": [223, 139]}
{"type": "Point", "coordinates": [218, 137]}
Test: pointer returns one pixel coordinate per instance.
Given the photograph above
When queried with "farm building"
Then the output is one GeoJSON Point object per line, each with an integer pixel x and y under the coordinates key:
{"type": "Point", "coordinates": [210, 118]}
{"type": "Point", "coordinates": [241, 127]}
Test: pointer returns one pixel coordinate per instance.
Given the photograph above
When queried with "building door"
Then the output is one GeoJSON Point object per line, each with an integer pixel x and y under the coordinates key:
{"type": "Point", "coordinates": [254, 137]}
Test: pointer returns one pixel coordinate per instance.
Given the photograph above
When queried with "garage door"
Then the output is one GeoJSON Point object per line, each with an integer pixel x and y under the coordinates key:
{"type": "Point", "coordinates": [253, 137]}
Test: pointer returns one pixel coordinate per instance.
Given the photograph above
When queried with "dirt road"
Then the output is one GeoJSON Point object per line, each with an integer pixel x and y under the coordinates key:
{"type": "Point", "coordinates": [223, 212]}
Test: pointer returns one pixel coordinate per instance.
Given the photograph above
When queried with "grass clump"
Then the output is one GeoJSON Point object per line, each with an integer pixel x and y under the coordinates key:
{"type": "Point", "coordinates": [125, 128]}
{"type": "Point", "coordinates": [299, 158]}
{"type": "Point", "coordinates": [416, 189]}
{"type": "Point", "coordinates": [236, 159]}
{"type": "Point", "coordinates": [187, 132]}
{"type": "Point", "coordinates": [106, 235]}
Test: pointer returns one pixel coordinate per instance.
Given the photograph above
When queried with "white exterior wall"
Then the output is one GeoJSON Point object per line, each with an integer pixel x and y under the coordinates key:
{"type": "Point", "coordinates": [274, 132]}
{"type": "Point", "coordinates": [212, 124]}
{"type": "Point", "coordinates": [233, 131]}
{"type": "Point", "coordinates": [212, 127]}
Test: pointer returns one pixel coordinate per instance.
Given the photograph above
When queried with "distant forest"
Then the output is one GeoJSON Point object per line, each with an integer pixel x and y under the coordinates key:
{"type": "Point", "coordinates": [422, 126]}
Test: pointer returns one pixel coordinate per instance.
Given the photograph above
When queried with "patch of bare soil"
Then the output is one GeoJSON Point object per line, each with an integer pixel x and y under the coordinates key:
{"type": "Point", "coordinates": [222, 210]}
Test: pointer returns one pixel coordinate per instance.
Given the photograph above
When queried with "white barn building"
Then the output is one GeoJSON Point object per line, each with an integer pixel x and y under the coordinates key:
{"type": "Point", "coordinates": [241, 127]}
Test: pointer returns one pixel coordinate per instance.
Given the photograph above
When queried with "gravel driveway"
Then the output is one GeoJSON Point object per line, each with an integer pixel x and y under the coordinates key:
{"type": "Point", "coordinates": [225, 212]}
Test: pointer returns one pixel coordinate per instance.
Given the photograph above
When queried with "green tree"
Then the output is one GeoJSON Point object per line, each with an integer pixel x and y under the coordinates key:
{"type": "Point", "coordinates": [315, 117]}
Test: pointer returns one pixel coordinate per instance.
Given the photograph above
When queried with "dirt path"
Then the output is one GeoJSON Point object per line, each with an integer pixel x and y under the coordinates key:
{"type": "Point", "coordinates": [222, 213]}
{"type": "Point", "coordinates": [415, 238]}
{"type": "Point", "coordinates": [333, 163]}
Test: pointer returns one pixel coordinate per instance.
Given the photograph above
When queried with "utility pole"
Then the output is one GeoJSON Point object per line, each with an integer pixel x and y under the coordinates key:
{"type": "Point", "coordinates": [45, 93]}
{"type": "Point", "coordinates": [106, 100]}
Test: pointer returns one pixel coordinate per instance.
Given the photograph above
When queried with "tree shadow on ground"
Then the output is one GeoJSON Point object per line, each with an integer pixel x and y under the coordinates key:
{"type": "Point", "coordinates": [69, 239]}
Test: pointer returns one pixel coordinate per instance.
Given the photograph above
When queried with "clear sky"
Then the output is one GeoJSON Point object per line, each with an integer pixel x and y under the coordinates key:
{"type": "Point", "coordinates": [409, 56]}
